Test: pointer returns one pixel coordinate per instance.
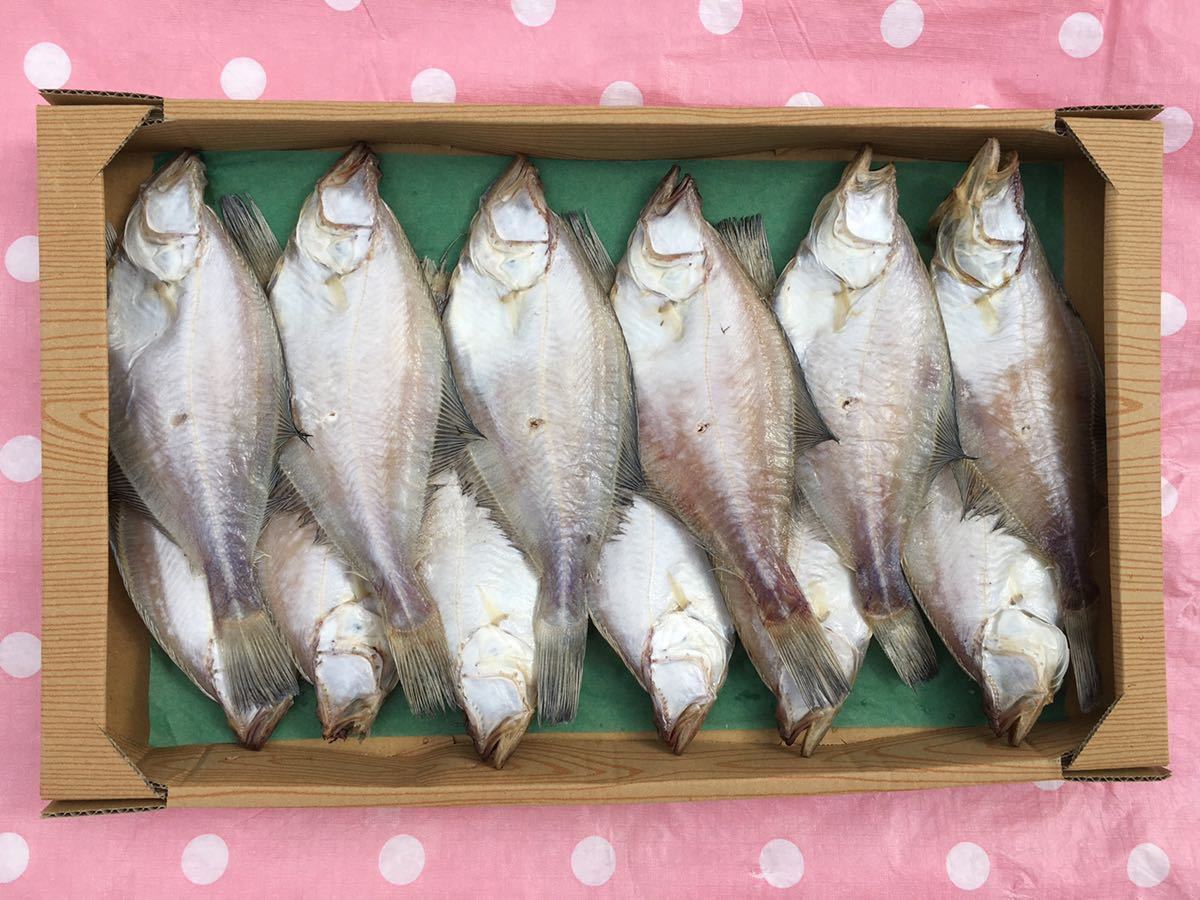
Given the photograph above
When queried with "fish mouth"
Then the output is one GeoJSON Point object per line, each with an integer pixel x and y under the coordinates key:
{"type": "Point", "coordinates": [810, 730]}
{"type": "Point", "coordinates": [353, 719]}
{"type": "Point", "coordinates": [989, 172]}
{"type": "Point", "coordinates": [670, 191]}
{"type": "Point", "coordinates": [859, 176]}
{"type": "Point", "coordinates": [679, 733]}
{"type": "Point", "coordinates": [1015, 723]}
{"type": "Point", "coordinates": [520, 174]}
{"type": "Point", "coordinates": [253, 732]}
{"type": "Point", "coordinates": [495, 747]}
{"type": "Point", "coordinates": [348, 191]}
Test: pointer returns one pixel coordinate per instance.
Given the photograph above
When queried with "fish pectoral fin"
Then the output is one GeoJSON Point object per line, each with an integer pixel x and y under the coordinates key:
{"type": "Point", "coordinates": [454, 428]}
{"type": "Point", "coordinates": [747, 240]}
{"type": "Point", "coordinates": [438, 280]}
{"type": "Point", "coordinates": [947, 443]}
{"type": "Point", "coordinates": [252, 235]}
{"type": "Point", "coordinates": [481, 472]}
{"type": "Point", "coordinates": [808, 425]}
{"type": "Point", "coordinates": [678, 594]}
{"type": "Point", "coordinates": [594, 251]}
{"type": "Point", "coordinates": [841, 308]}
{"type": "Point", "coordinates": [512, 305]}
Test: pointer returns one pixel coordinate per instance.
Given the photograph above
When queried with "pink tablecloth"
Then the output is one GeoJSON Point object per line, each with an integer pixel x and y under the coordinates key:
{"type": "Point", "coordinates": [1047, 839]}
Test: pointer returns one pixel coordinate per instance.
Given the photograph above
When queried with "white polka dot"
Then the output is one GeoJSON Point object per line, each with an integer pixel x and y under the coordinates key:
{"type": "Point", "coordinates": [804, 98]}
{"type": "Point", "coordinates": [621, 93]}
{"type": "Point", "coordinates": [1081, 35]}
{"type": "Point", "coordinates": [1174, 314]}
{"type": "Point", "coordinates": [720, 16]}
{"type": "Point", "coordinates": [1148, 866]}
{"type": "Point", "coordinates": [14, 856]}
{"type": "Point", "coordinates": [21, 258]}
{"type": "Point", "coordinates": [204, 859]}
{"type": "Point", "coordinates": [343, 5]}
{"type": "Point", "coordinates": [1177, 127]}
{"type": "Point", "coordinates": [433, 86]}
{"type": "Point", "coordinates": [593, 861]}
{"type": "Point", "coordinates": [243, 78]}
{"type": "Point", "coordinates": [21, 458]}
{"type": "Point", "coordinates": [902, 23]}
{"type": "Point", "coordinates": [20, 654]}
{"type": "Point", "coordinates": [401, 859]}
{"type": "Point", "coordinates": [1052, 785]}
{"type": "Point", "coordinates": [47, 65]}
{"type": "Point", "coordinates": [968, 866]}
{"type": "Point", "coordinates": [781, 862]}
{"type": "Point", "coordinates": [533, 12]}
{"type": "Point", "coordinates": [1170, 497]}
{"type": "Point", "coordinates": [980, 106]}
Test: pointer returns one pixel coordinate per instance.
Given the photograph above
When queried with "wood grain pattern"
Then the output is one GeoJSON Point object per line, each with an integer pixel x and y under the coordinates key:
{"type": "Point", "coordinates": [95, 649]}
{"type": "Point", "coordinates": [78, 761]}
{"type": "Point", "coordinates": [1130, 153]}
{"type": "Point", "coordinates": [574, 768]}
{"type": "Point", "coordinates": [599, 132]}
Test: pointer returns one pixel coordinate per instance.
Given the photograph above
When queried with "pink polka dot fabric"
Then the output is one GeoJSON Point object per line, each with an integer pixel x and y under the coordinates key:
{"type": "Point", "coordinates": [1046, 839]}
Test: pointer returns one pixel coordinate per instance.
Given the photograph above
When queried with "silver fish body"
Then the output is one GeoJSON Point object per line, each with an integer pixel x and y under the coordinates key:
{"type": "Point", "coordinates": [195, 375]}
{"type": "Point", "coordinates": [172, 598]}
{"type": "Point", "coordinates": [858, 308]}
{"type": "Point", "coordinates": [830, 587]}
{"type": "Point", "coordinates": [717, 400]}
{"type": "Point", "coordinates": [330, 621]}
{"type": "Point", "coordinates": [1030, 392]}
{"type": "Point", "coordinates": [995, 603]}
{"type": "Point", "coordinates": [367, 368]}
{"type": "Point", "coordinates": [543, 372]}
{"type": "Point", "coordinates": [486, 591]}
{"type": "Point", "coordinates": [658, 604]}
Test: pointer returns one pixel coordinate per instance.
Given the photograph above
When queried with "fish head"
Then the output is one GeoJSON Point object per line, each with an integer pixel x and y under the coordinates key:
{"type": "Point", "coordinates": [513, 235]}
{"type": "Point", "coordinates": [352, 670]}
{"type": "Point", "coordinates": [1023, 659]}
{"type": "Point", "coordinates": [496, 691]}
{"type": "Point", "coordinates": [982, 225]}
{"type": "Point", "coordinates": [857, 224]}
{"type": "Point", "coordinates": [162, 233]}
{"type": "Point", "coordinates": [254, 726]}
{"type": "Point", "coordinates": [668, 255]}
{"type": "Point", "coordinates": [683, 666]}
{"type": "Point", "coordinates": [338, 220]}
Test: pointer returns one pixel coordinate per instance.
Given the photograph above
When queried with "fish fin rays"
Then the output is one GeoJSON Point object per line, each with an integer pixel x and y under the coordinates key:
{"type": "Point", "coordinates": [258, 664]}
{"type": "Point", "coordinates": [746, 239]}
{"type": "Point", "coordinates": [805, 651]}
{"type": "Point", "coordinates": [454, 430]}
{"type": "Point", "coordinates": [808, 426]}
{"type": "Point", "coordinates": [947, 442]}
{"type": "Point", "coordinates": [981, 499]}
{"type": "Point", "coordinates": [423, 665]}
{"type": "Point", "coordinates": [593, 249]}
{"type": "Point", "coordinates": [906, 643]}
{"type": "Point", "coordinates": [252, 235]}
{"type": "Point", "coordinates": [1080, 628]}
{"type": "Point", "coordinates": [558, 666]}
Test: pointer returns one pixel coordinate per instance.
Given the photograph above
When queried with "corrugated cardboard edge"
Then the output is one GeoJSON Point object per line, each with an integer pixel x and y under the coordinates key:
{"type": "Point", "coordinates": [1149, 773]}
{"type": "Point", "coordinates": [1127, 151]}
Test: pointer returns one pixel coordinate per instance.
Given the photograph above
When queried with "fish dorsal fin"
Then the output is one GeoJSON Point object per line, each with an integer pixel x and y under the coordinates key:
{"type": "Point", "coordinates": [482, 476]}
{"type": "Point", "coordinates": [439, 283]}
{"type": "Point", "coordinates": [121, 493]}
{"type": "Point", "coordinates": [747, 240]}
{"type": "Point", "coordinates": [111, 241]}
{"type": "Point", "coordinates": [1094, 388]}
{"type": "Point", "coordinates": [248, 228]}
{"type": "Point", "coordinates": [454, 426]}
{"type": "Point", "coordinates": [593, 248]}
{"type": "Point", "coordinates": [253, 236]}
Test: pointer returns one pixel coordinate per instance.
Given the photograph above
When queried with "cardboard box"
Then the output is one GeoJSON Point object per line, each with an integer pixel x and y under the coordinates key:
{"type": "Point", "coordinates": [96, 148]}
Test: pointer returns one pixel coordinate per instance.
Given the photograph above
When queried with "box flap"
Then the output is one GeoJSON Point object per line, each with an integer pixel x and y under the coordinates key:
{"type": "Point", "coordinates": [1135, 111]}
{"type": "Point", "coordinates": [1129, 154]}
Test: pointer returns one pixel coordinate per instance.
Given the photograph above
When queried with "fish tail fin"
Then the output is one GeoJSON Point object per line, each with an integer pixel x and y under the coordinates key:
{"type": "Point", "coordinates": [559, 640]}
{"type": "Point", "coordinates": [905, 640]}
{"type": "Point", "coordinates": [1080, 627]}
{"type": "Point", "coordinates": [418, 642]}
{"type": "Point", "coordinates": [805, 651]}
{"type": "Point", "coordinates": [259, 666]}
